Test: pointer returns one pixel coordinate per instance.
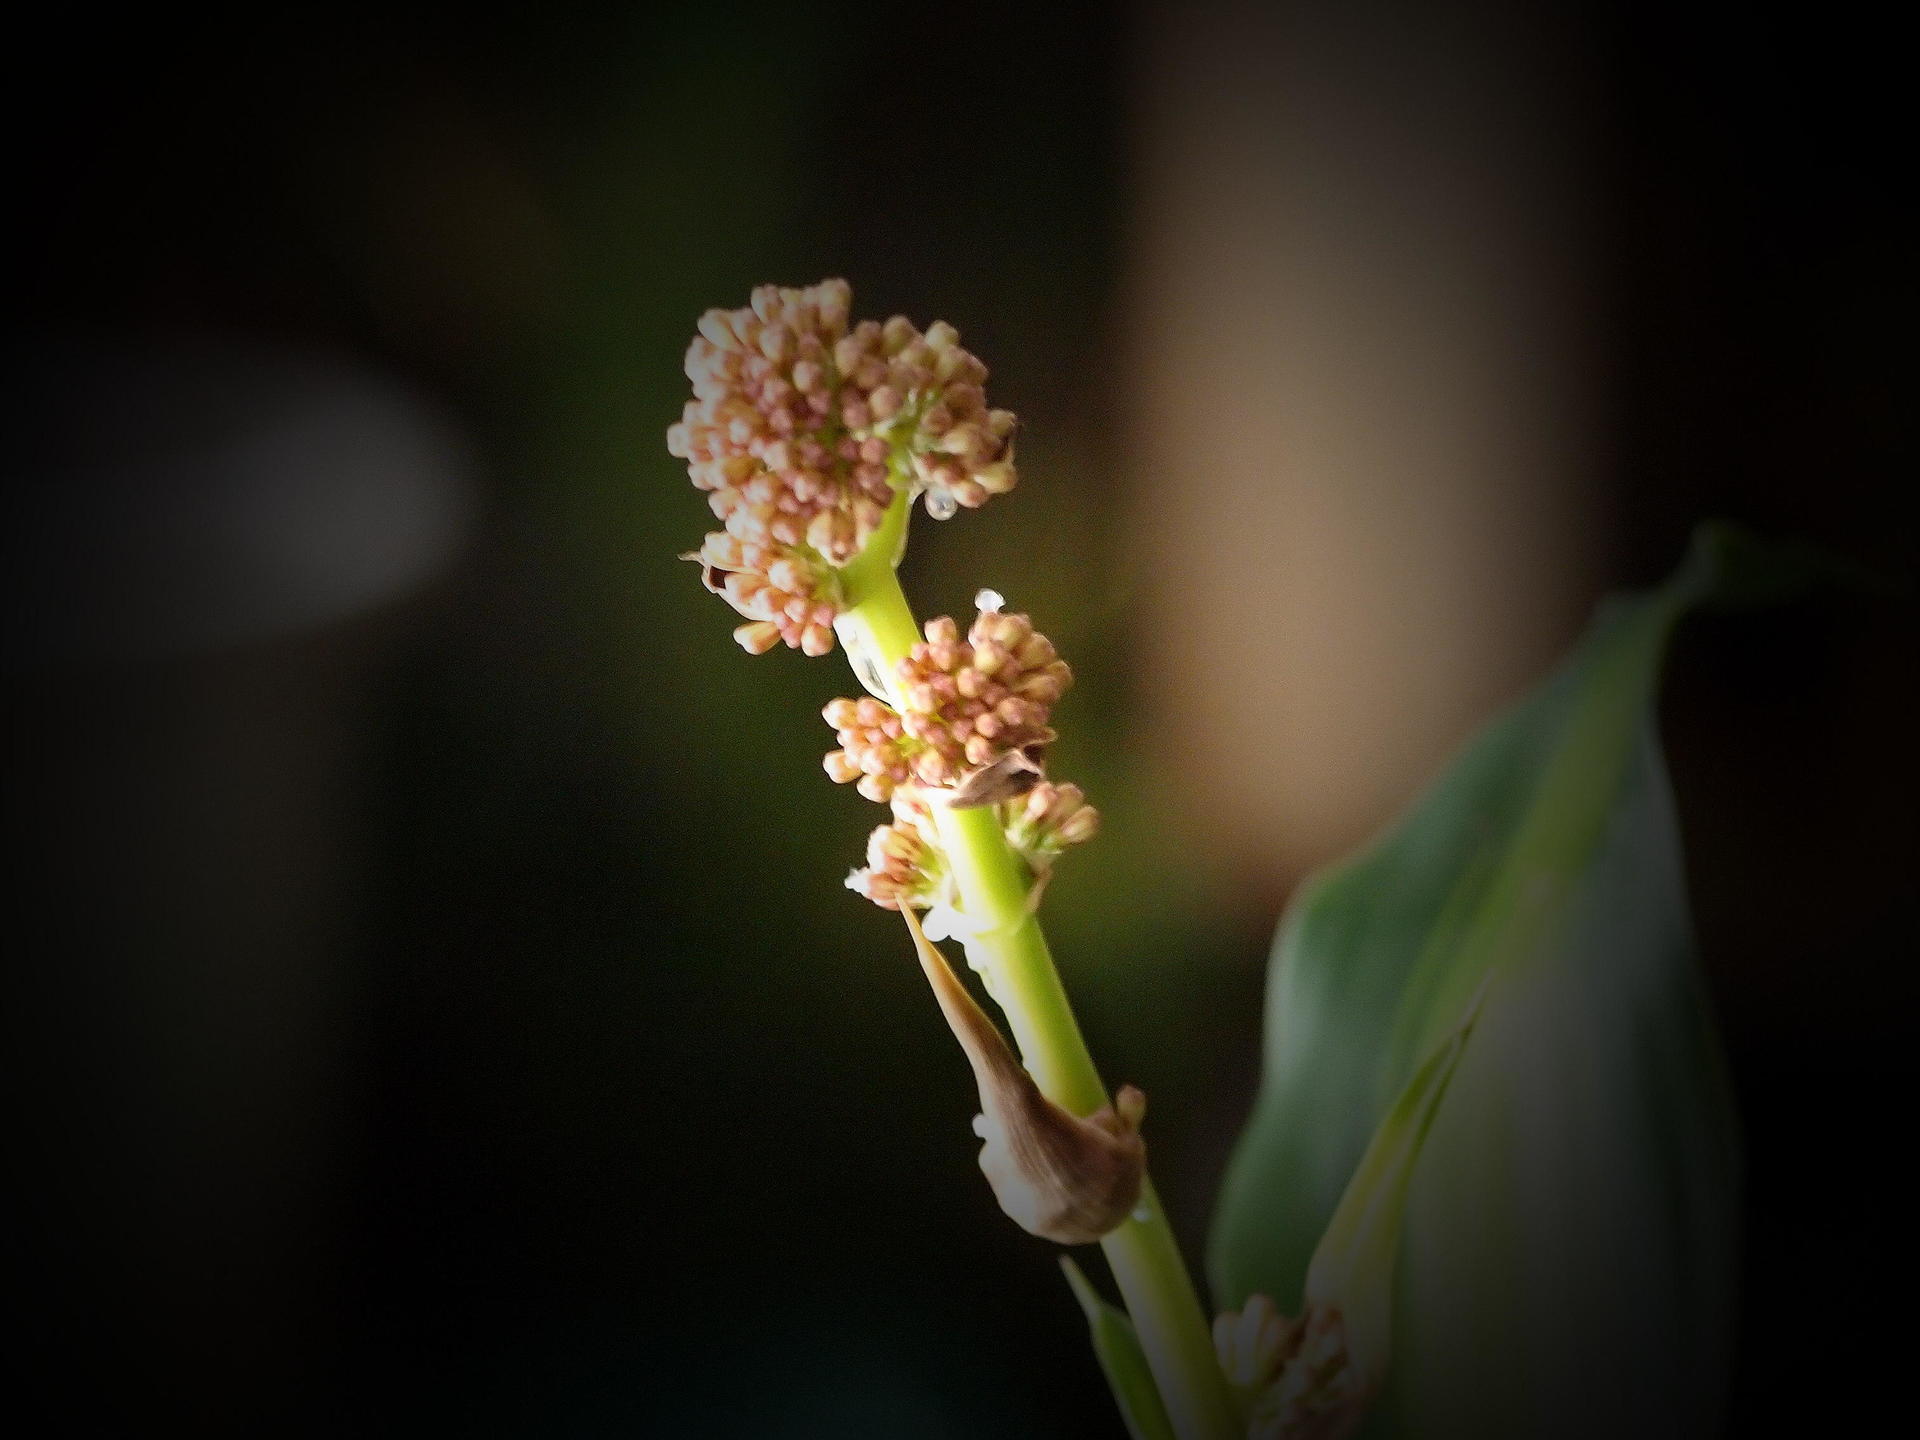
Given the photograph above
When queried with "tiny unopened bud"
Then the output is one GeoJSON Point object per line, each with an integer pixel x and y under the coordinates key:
{"type": "Point", "coordinates": [995, 479]}
{"type": "Point", "coordinates": [715, 326]}
{"type": "Point", "coordinates": [757, 638]}
{"type": "Point", "coordinates": [1253, 1344]}
{"type": "Point", "coordinates": [961, 440]}
{"type": "Point", "coordinates": [1082, 825]}
{"type": "Point", "coordinates": [963, 398]}
{"type": "Point", "coordinates": [835, 301]}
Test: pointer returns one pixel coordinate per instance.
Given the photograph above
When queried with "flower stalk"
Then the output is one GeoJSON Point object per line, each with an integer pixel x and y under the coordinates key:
{"type": "Point", "coordinates": [813, 437]}
{"type": "Point", "coordinates": [1007, 946]}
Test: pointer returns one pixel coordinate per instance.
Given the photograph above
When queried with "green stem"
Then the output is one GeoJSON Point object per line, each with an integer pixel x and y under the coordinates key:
{"type": "Point", "coordinates": [878, 629]}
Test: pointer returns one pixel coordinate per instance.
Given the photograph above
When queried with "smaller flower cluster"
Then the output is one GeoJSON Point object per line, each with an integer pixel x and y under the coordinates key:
{"type": "Point", "coordinates": [785, 597]}
{"type": "Point", "coordinates": [802, 430]}
{"type": "Point", "coordinates": [972, 709]}
{"type": "Point", "coordinates": [873, 753]}
{"type": "Point", "coordinates": [970, 702]}
{"type": "Point", "coordinates": [1294, 1377]}
{"type": "Point", "coordinates": [923, 393]}
{"type": "Point", "coordinates": [1047, 819]}
{"type": "Point", "coordinates": [903, 862]}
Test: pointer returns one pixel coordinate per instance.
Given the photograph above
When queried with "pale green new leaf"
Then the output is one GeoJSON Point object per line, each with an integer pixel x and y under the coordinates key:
{"type": "Point", "coordinates": [1352, 1269]}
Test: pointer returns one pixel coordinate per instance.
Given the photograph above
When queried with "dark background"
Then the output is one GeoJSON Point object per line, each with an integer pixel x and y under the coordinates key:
{"type": "Point", "coordinates": [435, 1008]}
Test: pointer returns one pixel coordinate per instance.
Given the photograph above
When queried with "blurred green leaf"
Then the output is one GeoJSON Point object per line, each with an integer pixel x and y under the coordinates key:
{"type": "Point", "coordinates": [1117, 1348]}
{"type": "Point", "coordinates": [1568, 1257]}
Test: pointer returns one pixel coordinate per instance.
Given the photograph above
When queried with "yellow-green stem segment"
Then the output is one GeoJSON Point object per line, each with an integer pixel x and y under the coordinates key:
{"type": "Point", "coordinates": [878, 627]}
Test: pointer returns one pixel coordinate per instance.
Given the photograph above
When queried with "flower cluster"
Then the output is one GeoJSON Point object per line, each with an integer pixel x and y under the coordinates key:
{"type": "Point", "coordinates": [970, 702]}
{"type": "Point", "coordinates": [802, 430]}
{"type": "Point", "coordinates": [971, 730]}
{"type": "Point", "coordinates": [1294, 1377]}
{"type": "Point", "coordinates": [873, 751]}
{"type": "Point", "coordinates": [903, 862]}
{"type": "Point", "coordinates": [787, 596]}
{"type": "Point", "coordinates": [1047, 819]}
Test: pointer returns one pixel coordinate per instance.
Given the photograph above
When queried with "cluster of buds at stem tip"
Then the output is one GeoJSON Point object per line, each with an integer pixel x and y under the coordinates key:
{"type": "Point", "coordinates": [802, 429]}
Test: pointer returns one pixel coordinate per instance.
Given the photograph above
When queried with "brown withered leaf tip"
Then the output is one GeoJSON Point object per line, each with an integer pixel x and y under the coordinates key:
{"type": "Point", "coordinates": [1058, 1176]}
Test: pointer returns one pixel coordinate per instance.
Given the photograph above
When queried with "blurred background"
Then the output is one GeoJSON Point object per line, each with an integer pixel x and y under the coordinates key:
{"type": "Point", "coordinates": [434, 1006]}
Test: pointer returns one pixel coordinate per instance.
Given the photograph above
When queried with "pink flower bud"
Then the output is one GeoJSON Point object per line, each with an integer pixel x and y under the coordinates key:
{"type": "Point", "coordinates": [714, 325]}
{"type": "Point", "coordinates": [995, 479]}
{"type": "Point", "coordinates": [897, 334]}
{"type": "Point", "coordinates": [757, 638]}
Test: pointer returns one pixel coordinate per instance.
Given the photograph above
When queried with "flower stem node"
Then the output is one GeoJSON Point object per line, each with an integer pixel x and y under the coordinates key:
{"type": "Point", "coordinates": [1058, 1176]}
{"type": "Point", "coordinates": [973, 730]}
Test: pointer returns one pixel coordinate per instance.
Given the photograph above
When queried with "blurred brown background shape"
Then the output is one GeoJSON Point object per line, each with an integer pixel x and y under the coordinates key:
{"type": "Point", "coordinates": [434, 1006]}
{"type": "Point", "coordinates": [1367, 324]}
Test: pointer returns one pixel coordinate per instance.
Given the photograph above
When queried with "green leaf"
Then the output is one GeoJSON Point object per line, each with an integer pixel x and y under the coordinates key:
{"type": "Point", "coordinates": [1117, 1348]}
{"type": "Point", "coordinates": [1568, 1254]}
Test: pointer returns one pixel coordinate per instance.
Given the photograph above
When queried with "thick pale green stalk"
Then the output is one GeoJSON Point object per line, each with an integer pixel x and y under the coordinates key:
{"type": "Point", "coordinates": [878, 629]}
